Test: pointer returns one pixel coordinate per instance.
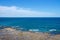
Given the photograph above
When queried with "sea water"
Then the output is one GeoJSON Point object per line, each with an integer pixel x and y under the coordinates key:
{"type": "Point", "coordinates": [29, 23]}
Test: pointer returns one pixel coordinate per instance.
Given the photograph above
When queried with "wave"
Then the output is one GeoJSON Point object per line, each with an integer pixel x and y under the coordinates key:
{"type": "Point", "coordinates": [52, 30]}
{"type": "Point", "coordinates": [33, 29]}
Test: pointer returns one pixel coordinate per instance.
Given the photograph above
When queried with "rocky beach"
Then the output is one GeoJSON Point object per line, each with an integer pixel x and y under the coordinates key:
{"type": "Point", "coordinates": [13, 34]}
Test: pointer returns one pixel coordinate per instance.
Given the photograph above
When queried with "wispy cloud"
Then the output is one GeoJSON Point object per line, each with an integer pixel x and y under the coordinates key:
{"type": "Point", "coordinates": [13, 11]}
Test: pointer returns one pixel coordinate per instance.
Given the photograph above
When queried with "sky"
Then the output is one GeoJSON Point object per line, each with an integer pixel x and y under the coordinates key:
{"type": "Point", "coordinates": [29, 8]}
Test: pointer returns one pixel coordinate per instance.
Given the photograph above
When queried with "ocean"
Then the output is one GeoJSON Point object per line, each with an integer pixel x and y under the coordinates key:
{"type": "Point", "coordinates": [41, 24]}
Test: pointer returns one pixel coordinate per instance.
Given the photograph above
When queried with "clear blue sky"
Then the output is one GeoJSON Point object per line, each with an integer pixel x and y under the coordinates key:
{"type": "Point", "coordinates": [50, 6]}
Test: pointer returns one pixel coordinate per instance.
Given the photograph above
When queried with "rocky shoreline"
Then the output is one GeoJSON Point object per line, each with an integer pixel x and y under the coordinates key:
{"type": "Point", "coordinates": [13, 34]}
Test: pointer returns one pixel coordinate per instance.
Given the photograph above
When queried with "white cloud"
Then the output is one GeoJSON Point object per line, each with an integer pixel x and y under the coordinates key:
{"type": "Point", "coordinates": [14, 11]}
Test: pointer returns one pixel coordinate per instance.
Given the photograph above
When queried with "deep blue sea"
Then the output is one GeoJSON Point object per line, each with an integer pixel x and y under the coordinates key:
{"type": "Point", "coordinates": [43, 24]}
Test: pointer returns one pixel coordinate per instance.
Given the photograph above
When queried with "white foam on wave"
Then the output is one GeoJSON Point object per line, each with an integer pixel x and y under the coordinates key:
{"type": "Point", "coordinates": [52, 30]}
{"type": "Point", "coordinates": [33, 29]}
